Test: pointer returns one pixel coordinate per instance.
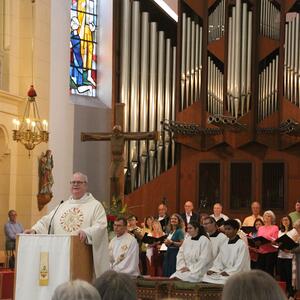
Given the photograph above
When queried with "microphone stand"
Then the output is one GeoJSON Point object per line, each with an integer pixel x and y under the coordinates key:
{"type": "Point", "coordinates": [49, 228]}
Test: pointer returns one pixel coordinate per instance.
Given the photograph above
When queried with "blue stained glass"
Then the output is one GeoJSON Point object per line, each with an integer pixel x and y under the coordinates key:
{"type": "Point", "coordinates": [83, 54]}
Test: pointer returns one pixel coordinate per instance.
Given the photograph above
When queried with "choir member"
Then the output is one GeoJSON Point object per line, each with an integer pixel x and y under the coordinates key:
{"type": "Point", "coordinates": [232, 259]}
{"type": "Point", "coordinates": [195, 254]}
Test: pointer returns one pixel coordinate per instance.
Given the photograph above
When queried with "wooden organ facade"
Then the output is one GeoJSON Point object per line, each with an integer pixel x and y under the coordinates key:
{"type": "Point", "coordinates": [225, 82]}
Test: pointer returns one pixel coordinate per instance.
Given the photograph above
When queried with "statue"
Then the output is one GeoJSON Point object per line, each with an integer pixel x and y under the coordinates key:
{"type": "Point", "coordinates": [117, 138]}
{"type": "Point", "coordinates": [45, 178]}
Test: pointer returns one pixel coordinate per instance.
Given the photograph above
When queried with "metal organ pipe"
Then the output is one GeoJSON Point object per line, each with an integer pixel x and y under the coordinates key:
{"type": "Point", "coordinates": [268, 89]}
{"type": "Point", "coordinates": [147, 87]}
{"type": "Point", "coordinates": [173, 100]}
{"type": "Point", "coordinates": [292, 59]}
{"type": "Point", "coordinates": [239, 60]}
{"type": "Point", "coordinates": [135, 89]}
{"type": "Point", "coordinates": [144, 101]}
{"type": "Point", "coordinates": [183, 58]}
{"type": "Point", "coordinates": [152, 96]}
{"type": "Point", "coordinates": [125, 68]}
{"type": "Point", "coordinates": [167, 104]}
{"type": "Point", "coordinates": [160, 97]}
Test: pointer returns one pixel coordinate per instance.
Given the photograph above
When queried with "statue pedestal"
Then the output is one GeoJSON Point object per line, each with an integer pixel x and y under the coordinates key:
{"type": "Point", "coordinates": [43, 199]}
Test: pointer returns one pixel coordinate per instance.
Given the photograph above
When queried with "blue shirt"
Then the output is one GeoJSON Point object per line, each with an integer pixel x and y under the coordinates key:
{"type": "Point", "coordinates": [12, 229]}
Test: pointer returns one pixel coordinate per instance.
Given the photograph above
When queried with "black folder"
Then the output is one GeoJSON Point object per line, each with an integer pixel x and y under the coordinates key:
{"type": "Point", "coordinates": [248, 229]}
{"type": "Point", "coordinates": [257, 241]}
{"type": "Point", "coordinates": [286, 243]}
{"type": "Point", "coordinates": [151, 239]}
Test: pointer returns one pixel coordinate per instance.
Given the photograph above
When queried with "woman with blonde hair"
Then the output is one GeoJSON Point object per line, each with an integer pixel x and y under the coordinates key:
{"type": "Point", "coordinates": [173, 242]}
{"type": "Point", "coordinates": [155, 257]}
{"type": "Point", "coordinates": [267, 253]}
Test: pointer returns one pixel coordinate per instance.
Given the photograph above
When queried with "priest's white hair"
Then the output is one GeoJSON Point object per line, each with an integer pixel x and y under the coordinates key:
{"type": "Point", "coordinates": [76, 290]}
{"type": "Point", "coordinates": [83, 176]}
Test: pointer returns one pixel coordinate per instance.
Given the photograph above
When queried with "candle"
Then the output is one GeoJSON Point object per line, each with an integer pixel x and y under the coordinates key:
{"type": "Point", "coordinates": [28, 123]}
{"type": "Point", "coordinates": [45, 125]}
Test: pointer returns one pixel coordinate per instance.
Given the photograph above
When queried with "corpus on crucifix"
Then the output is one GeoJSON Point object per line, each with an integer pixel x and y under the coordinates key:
{"type": "Point", "coordinates": [117, 138]}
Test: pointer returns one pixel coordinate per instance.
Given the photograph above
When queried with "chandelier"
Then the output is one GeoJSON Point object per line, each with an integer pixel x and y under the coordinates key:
{"type": "Point", "coordinates": [31, 130]}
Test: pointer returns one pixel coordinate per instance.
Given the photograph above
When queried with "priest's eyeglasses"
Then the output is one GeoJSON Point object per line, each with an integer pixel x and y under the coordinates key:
{"type": "Point", "coordinates": [77, 182]}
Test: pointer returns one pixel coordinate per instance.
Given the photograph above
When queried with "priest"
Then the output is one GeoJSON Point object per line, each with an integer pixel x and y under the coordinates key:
{"type": "Point", "coordinates": [124, 250]}
{"type": "Point", "coordinates": [80, 215]}
{"type": "Point", "coordinates": [233, 257]}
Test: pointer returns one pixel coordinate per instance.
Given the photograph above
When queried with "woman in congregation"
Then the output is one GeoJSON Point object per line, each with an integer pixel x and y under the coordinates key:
{"type": "Point", "coordinates": [173, 242]}
{"type": "Point", "coordinates": [155, 257]}
{"type": "Point", "coordinates": [252, 250]}
{"type": "Point", "coordinates": [195, 254]}
{"type": "Point", "coordinates": [147, 226]}
{"type": "Point", "coordinates": [285, 257]}
{"type": "Point", "coordinates": [267, 252]}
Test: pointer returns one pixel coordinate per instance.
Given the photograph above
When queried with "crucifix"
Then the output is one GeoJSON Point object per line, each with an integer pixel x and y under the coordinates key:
{"type": "Point", "coordinates": [118, 138]}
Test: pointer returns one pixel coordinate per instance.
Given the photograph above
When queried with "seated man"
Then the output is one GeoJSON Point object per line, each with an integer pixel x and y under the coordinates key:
{"type": "Point", "coordinates": [217, 237]}
{"type": "Point", "coordinates": [123, 250]}
{"type": "Point", "coordinates": [255, 208]}
{"type": "Point", "coordinates": [233, 257]}
{"type": "Point", "coordinates": [189, 215]}
{"type": "Point", "coordinates": [217, 215]}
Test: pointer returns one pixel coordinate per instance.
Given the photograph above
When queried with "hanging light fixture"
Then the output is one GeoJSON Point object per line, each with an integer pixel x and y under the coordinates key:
{"type": "Point", "coordinates": [31, 130]}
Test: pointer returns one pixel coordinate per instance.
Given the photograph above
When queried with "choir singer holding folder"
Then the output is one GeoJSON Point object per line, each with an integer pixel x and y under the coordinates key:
{"type": "Point", "coordinates": [267, 252]}
{"type": "Point", "coordinates": [80, 215]}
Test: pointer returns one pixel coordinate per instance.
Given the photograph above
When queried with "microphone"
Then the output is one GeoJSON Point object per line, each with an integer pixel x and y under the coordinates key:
{"type": "Point", "coordinates": [49, 228]}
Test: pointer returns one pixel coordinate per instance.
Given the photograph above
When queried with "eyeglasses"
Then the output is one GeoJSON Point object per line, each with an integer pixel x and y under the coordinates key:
{"type": "Point", "coordinates": [207, 223]}
{"type": "Point", "coordinates": [77, 182]}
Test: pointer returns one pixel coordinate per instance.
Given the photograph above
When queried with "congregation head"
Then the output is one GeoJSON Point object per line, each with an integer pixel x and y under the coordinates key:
{"type": "Point", "coordinates": [297, 206]}
{"type": "Point", "coordinates": [132, 220]}
{"type": "Point", "coordinates": [255, 207]}
{"type": "Point", "coordinates": [176, 222]}
{"type": "Point", "coordinates": [210, 225]}
{"type": "Point", "coordinates": [148, 222]}
{"type": "Point", "coordinates": [286, 223]}
{"type": "Point", "coordinates": [76, 290]}
{"type": "Point", "coordinates": [217, 209]}
{"type": "Point", "coordinates": [296, 225]}
{"type": "Point", "coordinates": [195, 230]}
{"type": "Point", "coordinates": [156, 226]}
{"type": "Point", "coordinates": [258, 222]}
{"type": "Point", "coordinates": [115, 286]}
{"type": "Point", "coordinates": [252, 285]}
{"type": "Point", "coordinates": [120, 226]}
{"type": "Point", "coordinates": [231, 228]}
{"type": "Point", "coordinates": [12, 215]}
{"type": "Point", "coordinates": [188, 207]}
{"type": "Point", "coordinates": [269, 217]}
{"type": "Point", "coordinates": [162, 210]}
{"type": "Point", "coordinates": [78, 185]}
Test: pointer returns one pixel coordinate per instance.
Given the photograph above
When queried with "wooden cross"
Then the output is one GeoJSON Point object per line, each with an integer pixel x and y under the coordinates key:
{"type": "Point", "coordinates": [117, 138]}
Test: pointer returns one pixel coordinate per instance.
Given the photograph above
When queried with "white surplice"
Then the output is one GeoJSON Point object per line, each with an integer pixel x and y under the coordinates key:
{"type": "Point", "coordinates": [86, 214]}
{"type": "Point", "coordinates": [124, 254]}
{"type": "Point", "coordinates": [233, 258]}
{"type": "Point", "coordinates": [217, 241]}
{"type": "Point", "coordinates": [196, 255]}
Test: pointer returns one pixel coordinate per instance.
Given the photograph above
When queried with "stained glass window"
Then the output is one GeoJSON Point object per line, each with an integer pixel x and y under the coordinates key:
{"type": "Point", "coordinates": [83, 55]}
